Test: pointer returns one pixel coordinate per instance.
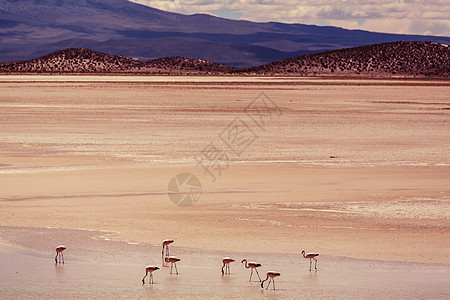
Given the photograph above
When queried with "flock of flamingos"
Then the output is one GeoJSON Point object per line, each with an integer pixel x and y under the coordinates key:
{"type": "Point", "coordinates": [226, 264]}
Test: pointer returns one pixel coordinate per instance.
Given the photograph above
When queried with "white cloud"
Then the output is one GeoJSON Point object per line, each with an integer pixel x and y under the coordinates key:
{"type": "Point", "coordinates": [396, 16]}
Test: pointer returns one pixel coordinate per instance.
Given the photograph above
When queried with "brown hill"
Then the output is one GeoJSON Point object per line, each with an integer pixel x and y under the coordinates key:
{"type": "Point", "coordinates": [398, 58]}
{"type": "Point", "coordinates": [77, 60]}
{"type": "Point", "coordinates": [73, 60]}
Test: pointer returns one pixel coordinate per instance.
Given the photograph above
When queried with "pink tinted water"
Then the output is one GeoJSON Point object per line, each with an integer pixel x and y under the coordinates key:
{"type": "Point", "coordinates": [98, 267]}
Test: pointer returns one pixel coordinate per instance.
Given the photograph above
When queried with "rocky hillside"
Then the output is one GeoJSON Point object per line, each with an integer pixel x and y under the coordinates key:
{"type": "Point", "coordinates": [73, 61]}
{"type": "Point", "coordinates": [398, 58]}
{"type": "Point", "coordinates": [76, 60]}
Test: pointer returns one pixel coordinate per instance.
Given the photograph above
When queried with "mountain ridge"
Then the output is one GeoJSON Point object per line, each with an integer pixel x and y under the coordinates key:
{"type": "Point", "coordinates": [32, 28]}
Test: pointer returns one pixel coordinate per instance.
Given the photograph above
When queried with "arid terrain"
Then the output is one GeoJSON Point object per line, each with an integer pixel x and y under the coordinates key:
{"type": "Point", "coordinates": [30, 29]}
{"type": "Point", "coordinates": [349, 168]}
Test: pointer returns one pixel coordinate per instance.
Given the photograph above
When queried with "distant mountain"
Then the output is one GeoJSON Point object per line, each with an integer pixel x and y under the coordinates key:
{"type": "Point", "coordinates": [398, 58]}
{"type": "Point", "coordinates": [32, 28]}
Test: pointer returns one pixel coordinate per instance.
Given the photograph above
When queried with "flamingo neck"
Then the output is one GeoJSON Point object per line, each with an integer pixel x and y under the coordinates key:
{"type": "Point", "coordinates": [245, 264]}
{"type": "Point", "coordinates": [262, 282]}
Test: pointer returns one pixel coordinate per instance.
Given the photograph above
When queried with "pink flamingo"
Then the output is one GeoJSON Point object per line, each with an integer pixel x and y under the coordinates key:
{"type": "Point", "coordinates": [226, 264]}
{"type": "Point", "coordinates": [149, 269]}
{"type": "Point", "coordinates": [59, 253]}
{"type": "Point", "coordinates": [252, 265]}
{"type": "Point", "coordinates": [165, 245]}
{"type": "Point", "coordinates": [310, 256]}
{"type": "Point", "coordinates": [271, 275]}
{"type": "Point", "coordinates": [173, 261]}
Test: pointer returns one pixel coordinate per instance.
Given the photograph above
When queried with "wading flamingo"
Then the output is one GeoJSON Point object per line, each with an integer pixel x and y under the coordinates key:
{"type": "Point", "coordinates": [173, 262]}
{"type": "Point", "coordinates": [165, 245]}
{"type": "Point", "coordinates": [310, 256]}
{"type": "Point", "coordinates": [149, 269]}
{"type": "Point", "coordinates": [271, 276]}
{"type": "Point", "coordinates": [59, 253]}
{"type": "Point", "coordinates": [226, 264]}
{"type": "Point", "coordinates": [252, 265]}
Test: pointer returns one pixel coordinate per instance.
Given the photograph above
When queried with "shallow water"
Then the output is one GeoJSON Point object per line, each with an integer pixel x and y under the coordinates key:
{"type": "Point", "coordinates": [96, 266]}
{"type": "Point", "coordinates": [403, 208]}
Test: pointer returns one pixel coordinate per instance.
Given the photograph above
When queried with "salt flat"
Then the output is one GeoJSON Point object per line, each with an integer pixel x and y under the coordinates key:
{"type": "Point", "coordinates": [348, 168]}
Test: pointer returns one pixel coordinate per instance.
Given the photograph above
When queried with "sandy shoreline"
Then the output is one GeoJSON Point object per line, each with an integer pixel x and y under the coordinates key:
{"type": "Point", "coordinates": [99, 267]}
{"type": "Point", "coordinates": [356, 170]}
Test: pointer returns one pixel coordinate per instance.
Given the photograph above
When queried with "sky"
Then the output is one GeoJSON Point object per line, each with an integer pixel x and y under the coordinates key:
{"type": "Point", "coordinates": [394, 16]}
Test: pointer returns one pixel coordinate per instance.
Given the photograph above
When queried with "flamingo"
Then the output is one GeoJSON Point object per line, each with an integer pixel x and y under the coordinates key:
{"type": "Point", "coordinates": [271, 276]}
{"type": "Point", "coordinates": [252, 265]}
{"type": "Point", "coordinates": [165, 245]}
{"type": "Point", "coordinates": [226, 264]}
{"type": "Point", "coordinates": [59, 253]}
{"type": "Point", "coordinates": [173, 261]}
{"type": "Point", "coordinates": [149, 269]}
{"type": "Point", "coordinates": [310, 256]}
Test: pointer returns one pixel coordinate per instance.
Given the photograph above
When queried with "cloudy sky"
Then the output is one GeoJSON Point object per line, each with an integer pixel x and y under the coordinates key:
{"type": "Point", "coordinates": [396, 16]}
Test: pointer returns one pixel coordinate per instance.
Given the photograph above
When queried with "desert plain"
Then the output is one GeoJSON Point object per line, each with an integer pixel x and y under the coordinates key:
{"type": "Point", "coordinates": [353, 169]}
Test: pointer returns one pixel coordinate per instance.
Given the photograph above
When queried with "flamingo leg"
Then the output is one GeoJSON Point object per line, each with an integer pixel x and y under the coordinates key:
{"type": "Point", "coordinates": [151, 277]}
{"type": "Point", "coordinates": [251, 273]}
{"type": "Point", "coordinates": [176, 268]}
{"type": "Point", "coordinates": [270, 280]}
{"type": "Point", "coordinates": [56, 257]}
{"type": "Point", "coordinates": [310, 262]}
{"type": "Point", "coordinates": [315, 265]}
{"type": "Point", "coordinates": [62, 255]}
{"type": "Point", "coordinates": [258, 274]}
{"type": "Point", "coordinates": [143, 279]}
{"type": "Point", "coordinates": [167, 250]}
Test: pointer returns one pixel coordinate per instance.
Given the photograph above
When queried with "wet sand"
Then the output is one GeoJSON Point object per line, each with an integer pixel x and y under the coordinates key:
{"type": "Point", "coordinates": [98, 267]}
{"type": "Point", "coordinates": [356, 170]}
